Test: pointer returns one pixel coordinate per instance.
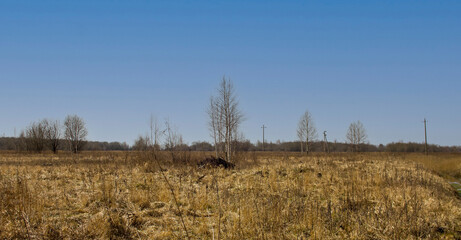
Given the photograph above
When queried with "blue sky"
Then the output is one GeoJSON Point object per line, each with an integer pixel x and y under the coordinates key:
{"type": "Point", "coordinates": [388, 64]}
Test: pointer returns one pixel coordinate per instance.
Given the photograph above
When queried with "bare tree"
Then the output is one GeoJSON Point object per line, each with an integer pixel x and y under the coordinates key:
{"type": "Point", "coordinates": [34, 136]}
{"type": "Point", "coordinates": [154, 132]}
{"type": "Point", "coordinates": [172, 138]}
{"type": "Point", "coordinates": [52, 134]}
{"type": "Point", "coordinates": [306, 131]}
{"type": "Point", "coordinates": [215, 124]}
{"type": "Point", "coordinates": [225, 118]}
{"type": "Point", "coordinates": [356, 135]}
{"type": "Point", "coordinates": [174, 143]}
{"type": "Point", "coordinates": [301, 138]}
{"type": "Point", "coordinates": [75, 132]}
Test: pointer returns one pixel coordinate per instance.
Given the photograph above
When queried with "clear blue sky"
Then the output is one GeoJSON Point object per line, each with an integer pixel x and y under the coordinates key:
{"type": "Point", "coordinates": [388, 64]}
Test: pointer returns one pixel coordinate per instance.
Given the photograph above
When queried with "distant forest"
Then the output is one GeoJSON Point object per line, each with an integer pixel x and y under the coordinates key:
{"type": "Point", "coordinates": [10, 143]}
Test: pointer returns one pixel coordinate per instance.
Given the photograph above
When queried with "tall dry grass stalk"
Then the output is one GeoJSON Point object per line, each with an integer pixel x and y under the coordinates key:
{"type": "Point", "coordinates": [268, 196]}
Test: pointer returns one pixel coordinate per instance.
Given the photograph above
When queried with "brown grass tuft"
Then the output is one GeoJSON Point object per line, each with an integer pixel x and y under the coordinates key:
{"type": "Point", "coordinates": [268, 196]}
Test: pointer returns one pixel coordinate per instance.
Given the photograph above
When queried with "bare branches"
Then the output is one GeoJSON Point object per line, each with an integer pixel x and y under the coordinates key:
{"type": "Point", "coordinates": [154, 132]}
{"type": "Point", "coordinates": [356, 135]}
{"type": "Point", "coordinates": [52, 134]}
{"type": "Point", "coordinates": [225, 118]}
{"type": "Point", "coordinates": [171, 188]}
{"type": "Point", "coordinates": [173, 139]}
{"type": "Point", "coordinates": [42, 135]}
{"type": "Point", "coordinates": [34, 136]}
{"type": "Point", "coordinates": [75, 132]}
{"type": "Point", "coordinates": [306, 131]}
{"type": "Point", "coordinates": [214, 123]}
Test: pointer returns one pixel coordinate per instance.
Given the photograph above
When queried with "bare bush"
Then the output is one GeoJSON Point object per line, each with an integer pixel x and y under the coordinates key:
{"type": "Point", "coordinates": [141, 143]}
{"type": "Point", "coordinates": [174, 144]}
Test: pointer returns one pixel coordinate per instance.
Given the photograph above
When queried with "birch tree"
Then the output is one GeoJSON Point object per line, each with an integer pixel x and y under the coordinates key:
{"type": "Point", "coordinates": [214, 123]}
{"type": "Point", "coordinates": [356, 135]}
{"type": "Point", "coordinates": [225, 118]}
{"type": "Point", "coordinates": [154, 133]}
{"type": "Point", "coordinates": [306, 131]}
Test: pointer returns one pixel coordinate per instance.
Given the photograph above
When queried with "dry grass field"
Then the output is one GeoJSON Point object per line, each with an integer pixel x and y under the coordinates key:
{"type": "Point", "coordinates": [117, 195]}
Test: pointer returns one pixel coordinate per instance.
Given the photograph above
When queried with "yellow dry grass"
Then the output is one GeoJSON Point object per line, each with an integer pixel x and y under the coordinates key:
{"type": "Point", "coordinates": [268, 196]}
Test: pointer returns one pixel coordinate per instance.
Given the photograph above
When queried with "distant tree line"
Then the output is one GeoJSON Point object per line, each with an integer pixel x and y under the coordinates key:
{"type": "Point", "coordinates": [314, 146]}
{"type": "Point", "coordinates": [318, 146]}
{"type": "Point", "coordinates": [106, 146]}
{"type": "Point", "coordinates": [419, 147]}
{"type": "Point", "coordinates": [10, 143]}
{"type": "Point", "coordinates": [51, 135]}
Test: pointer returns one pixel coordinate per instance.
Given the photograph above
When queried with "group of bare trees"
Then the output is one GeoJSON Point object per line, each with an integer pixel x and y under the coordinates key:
{"type": "Point", "coordinates": [307, 133]}
{"type": "Point", "coordinates": [162, 137]}
{"type": "Point", "coordinates": [225, 118]}
{"type": "Point", "coordinates": [153, 138]}
{"type": "Point", "coordinates": [48, 134]}
{"type": "Point", "coordinates": [35, 136]}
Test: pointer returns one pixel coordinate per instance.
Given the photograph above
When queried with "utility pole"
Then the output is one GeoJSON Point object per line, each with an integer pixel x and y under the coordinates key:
{"type": "Point", "coordinates": [325, 142]}
{"type": "Point", "coordinates": [263, 127]}
{"type": "Point", "coordinates": [425, 136]}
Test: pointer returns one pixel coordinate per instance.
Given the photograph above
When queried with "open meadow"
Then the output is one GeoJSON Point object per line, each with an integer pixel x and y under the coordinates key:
{"type": "Point", "coordinates": [143, 195]}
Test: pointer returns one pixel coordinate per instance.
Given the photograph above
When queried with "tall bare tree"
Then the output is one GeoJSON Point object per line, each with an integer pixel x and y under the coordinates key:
{"type": "Point", "coordinates": [75, 132]}
{"type": "Point", "coordinates": [52, 134]}
{"type": "Point", "coordinates": [174, 144]}
{"type": "Point", "coordinates": [215, 124]}
{"type": "Point", "coordinates": [172, 138]}
{"type": "Point", "coordinates": [154, 132]}
{"type": "Point", "coordinates": [225, 118]}
{"type": "Point", "coordinates": [356, 135]}
{"type": "Point", "coordinates": [306, 131]}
